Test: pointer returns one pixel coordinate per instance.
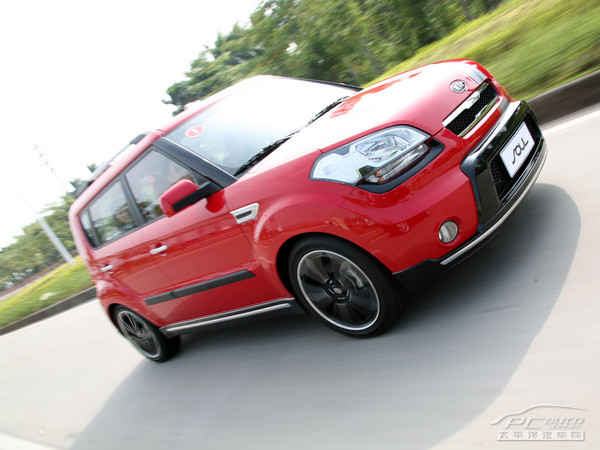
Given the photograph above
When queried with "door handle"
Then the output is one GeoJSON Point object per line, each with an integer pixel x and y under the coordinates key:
{"type": "Point", "coordinates": [107, 268]}
{"type": "Point", "coordinates": [157, 250]}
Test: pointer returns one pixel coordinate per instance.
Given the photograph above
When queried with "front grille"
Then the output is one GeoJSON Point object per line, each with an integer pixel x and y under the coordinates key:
{"type": "Point", "coordinates": [501, 177]}
{"type": "Point", "coordinates": [467, 117]}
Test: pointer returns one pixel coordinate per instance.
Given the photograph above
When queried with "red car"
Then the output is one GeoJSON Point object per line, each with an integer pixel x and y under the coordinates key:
{"type": "Point", "coordinates": [281, 195]}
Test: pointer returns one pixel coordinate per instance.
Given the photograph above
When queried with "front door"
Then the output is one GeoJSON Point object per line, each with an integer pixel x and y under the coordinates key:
{"type": "Point", "coordinates": [201, 250]}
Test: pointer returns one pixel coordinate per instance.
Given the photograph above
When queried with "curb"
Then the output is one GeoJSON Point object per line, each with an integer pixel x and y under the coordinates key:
{"type": "Point", "coordinates": [568, 98]}
{"type": "Point", "coordinates": [75, 300]}
{"type": "Point", "coordinates": [561, 101]}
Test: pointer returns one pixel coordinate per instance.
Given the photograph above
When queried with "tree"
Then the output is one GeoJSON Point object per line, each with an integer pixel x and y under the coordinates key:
{"type": "Point", "coordinates": [350, 41]}
{"type": "Point", "coordinates": [32, 251]}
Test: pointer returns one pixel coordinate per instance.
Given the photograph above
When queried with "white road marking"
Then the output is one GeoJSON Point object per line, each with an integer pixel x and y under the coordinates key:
{"type": "Point", "coordinates": [572, 122]}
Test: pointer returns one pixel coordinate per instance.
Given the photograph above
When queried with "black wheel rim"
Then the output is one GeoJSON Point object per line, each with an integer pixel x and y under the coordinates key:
{"type": "Point", "coordinates": [137, 331]}
{"type": "Point", "coordinates": [338, 290]}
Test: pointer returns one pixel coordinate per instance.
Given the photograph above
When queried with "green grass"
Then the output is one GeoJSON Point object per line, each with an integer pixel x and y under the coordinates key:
{"type": "Point", "coordinates": [58, 285]}
{"type": "Point", "coordinates": [530, 46]}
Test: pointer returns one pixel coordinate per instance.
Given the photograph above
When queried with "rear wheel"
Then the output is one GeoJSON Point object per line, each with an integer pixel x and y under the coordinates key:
{"type": "Point", "coordinates": [343, 286]}
{"type": "Point", "coordinates": [144, 336]}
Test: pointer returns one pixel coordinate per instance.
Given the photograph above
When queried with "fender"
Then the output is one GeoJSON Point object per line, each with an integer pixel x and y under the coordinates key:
{"type": "Point", "coordinates": [283, 214]}
{"type": "Point", "coordinates": [114, 294]}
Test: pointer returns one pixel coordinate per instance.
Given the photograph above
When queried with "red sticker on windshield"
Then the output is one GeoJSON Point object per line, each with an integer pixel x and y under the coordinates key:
{"type": "Point", "coordinates": [194, 131]}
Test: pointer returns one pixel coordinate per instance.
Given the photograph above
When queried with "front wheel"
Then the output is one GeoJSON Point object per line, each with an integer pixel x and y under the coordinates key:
{"type": "Point", "coordinates": [144, 336]}
{"type": "Point", "coordinates": [343, 286]}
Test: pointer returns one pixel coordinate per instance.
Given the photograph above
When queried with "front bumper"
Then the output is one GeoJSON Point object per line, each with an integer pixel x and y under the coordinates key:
{"type": "Point", "coordinates": [497, 195]}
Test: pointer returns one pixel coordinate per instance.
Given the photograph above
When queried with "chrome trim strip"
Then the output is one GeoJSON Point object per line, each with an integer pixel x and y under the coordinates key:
{"type": "Point", "coordinates": [506, 215]}
{"type": "Point", "coordinates": [156, 251]}
{"type": "Point", "coordinates": [475, 74]}
{"type": "Point", "coordinates": [246, 213]}
{"type": "Point", "coordinates": [467, 104]}
{"type": "Point", "coordinates": [275, 306]}
{"type": "Point", "coordinates": [478, 118]}
{"type": "Point", "coordinates": [503, 104]}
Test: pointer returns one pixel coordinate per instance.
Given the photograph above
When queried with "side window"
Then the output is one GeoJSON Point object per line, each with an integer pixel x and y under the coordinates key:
{"type": "Point", "coordinates": [110, 214]}
{"type": "Point", "coordinates": [87, 227]}
{"type": "Point", "coordinates": [152, 175]}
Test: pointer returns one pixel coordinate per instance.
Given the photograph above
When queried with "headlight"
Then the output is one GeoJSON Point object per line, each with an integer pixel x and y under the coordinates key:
{"type": "Point", "coordinates": [376, 158]}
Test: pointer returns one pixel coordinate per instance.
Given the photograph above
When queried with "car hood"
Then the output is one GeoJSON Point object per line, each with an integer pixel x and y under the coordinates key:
{"type": "Point", "coordinates": [421, 98]}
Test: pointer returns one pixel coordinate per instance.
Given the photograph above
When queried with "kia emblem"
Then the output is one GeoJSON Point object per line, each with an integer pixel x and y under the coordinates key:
{"type": "Point", "coordinates": [458, 86]}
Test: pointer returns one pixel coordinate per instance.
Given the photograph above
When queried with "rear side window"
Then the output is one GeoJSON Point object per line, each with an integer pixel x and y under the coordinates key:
{"type": "Point", "coordinates": [152, 175]}
{"type": "Point", "coordinates": [87, 227]}
{"type": "Point", "coordinates": [110, 215]}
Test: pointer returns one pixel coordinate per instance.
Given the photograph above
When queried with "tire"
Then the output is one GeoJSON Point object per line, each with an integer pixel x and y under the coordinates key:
{"type": "Point", "coordinates": [144, 336]}
{"type": "Point", "coordinates": [343, 286]}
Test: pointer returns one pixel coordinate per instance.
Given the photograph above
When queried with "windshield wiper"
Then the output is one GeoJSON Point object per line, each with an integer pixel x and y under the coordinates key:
{"type": "Point", "coordinates": [328, 108]}
{"type": "Point", "coordinates": [263, 154]}
{"type": "Point", "coordinates": [274, 145]}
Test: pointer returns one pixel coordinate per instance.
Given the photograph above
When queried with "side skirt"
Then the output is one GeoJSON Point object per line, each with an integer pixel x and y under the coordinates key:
{"type": "Point", "coordinates": [250, 314]}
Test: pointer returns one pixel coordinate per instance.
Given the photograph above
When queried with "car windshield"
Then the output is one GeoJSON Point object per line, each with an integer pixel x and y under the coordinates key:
{"type": "Point", "coordinates": [234, 130]}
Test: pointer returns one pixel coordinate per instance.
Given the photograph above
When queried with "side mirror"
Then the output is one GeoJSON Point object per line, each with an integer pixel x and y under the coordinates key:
{"type": "Point", "coordinates": [183, 194]}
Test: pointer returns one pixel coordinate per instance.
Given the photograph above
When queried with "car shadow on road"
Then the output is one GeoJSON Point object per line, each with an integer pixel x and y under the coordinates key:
{"type": "Point", "coordinates": [292, 383]}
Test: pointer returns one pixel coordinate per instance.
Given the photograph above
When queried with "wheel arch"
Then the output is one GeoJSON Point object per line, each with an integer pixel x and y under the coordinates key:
{"type": "Point", "coordinates": [285, 249]}
{"type": "Point", "coordinates": [112, 307]}
{"type": "Point", "coordinates": [111, 314]}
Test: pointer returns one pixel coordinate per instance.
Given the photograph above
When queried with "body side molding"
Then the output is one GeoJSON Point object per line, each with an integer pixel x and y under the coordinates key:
{"type": "Point", "coordinates": [200, 287]}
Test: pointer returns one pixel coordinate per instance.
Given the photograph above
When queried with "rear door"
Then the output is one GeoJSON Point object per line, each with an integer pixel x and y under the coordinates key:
{"type": "Point", "coordinates": [123, 271]}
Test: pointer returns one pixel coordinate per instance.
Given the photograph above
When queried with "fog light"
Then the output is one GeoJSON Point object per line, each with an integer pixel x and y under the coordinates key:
{"type": "Point", "coordinates": [448, 232]}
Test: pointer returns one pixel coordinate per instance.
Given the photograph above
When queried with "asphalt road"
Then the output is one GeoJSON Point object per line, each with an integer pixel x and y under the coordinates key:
{"type": "Point", "coordinates": [513, 328]}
